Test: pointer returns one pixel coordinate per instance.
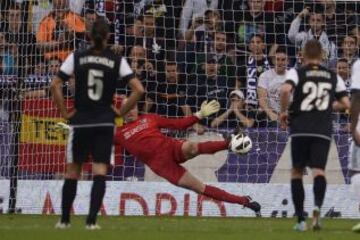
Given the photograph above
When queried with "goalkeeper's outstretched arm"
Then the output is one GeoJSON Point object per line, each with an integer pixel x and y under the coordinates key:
{"type": "Point", "coordinates": [206, 110]}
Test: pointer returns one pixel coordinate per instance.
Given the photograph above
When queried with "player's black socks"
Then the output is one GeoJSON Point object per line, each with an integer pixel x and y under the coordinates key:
{"type": "Point", "coordinates": [298, 196]}
{"type": "Point", "coordinates": [68, 196]}
{"type": "Point", "coordinates": [319, 190]}
{"type": "Point", "coordinates": [97, 195]}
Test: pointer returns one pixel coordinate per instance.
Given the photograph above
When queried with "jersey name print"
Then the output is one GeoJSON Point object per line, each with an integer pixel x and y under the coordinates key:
{"type": "Point", "coordinates": [97, 60]}
{"type": "Point", "coordinates": [316, 88]}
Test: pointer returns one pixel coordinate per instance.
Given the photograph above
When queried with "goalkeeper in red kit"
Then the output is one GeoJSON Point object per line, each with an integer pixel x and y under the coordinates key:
{"type": "Point", "coordinates": [142, 138]}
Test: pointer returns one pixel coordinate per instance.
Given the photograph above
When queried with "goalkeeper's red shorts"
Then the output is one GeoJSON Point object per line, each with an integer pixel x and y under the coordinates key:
{"type": "Point", "coordinates": [166, 163]}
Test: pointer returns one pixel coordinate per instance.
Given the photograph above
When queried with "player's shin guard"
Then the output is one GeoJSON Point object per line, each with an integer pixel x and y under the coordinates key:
{"type": "Point", "coordinates": [97, 195]}
{"type": "Point", "coordinates": [298, 196]}
{"type": "Point", "coordinates": [68, 196]}
{"type": "Point", "coordinates": [212, 146]}
{"type": "Point", "coordinates": [221, 195]}
{"type": "Point", "coordinates": [319, 190]}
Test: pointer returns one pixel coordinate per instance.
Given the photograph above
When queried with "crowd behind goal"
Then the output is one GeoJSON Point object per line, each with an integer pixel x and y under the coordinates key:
{"type": "Point", "coordinates": [184, 52]}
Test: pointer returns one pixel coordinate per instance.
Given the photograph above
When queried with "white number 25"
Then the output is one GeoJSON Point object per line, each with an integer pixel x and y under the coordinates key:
{"type": "Point", "coordinates": [318, 96]}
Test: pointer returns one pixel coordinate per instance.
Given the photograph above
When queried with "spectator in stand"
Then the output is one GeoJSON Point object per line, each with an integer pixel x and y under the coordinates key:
{"type": "Point", "coordinates": [340, 17]}
{"type": "Point", "coordinates": [40, 68]}
{"type": "Point", "coordinates": [83, 39]}
{"type": "Point", "coordinates": [219, 50]}
{"type": "Point", "coordinates": [41, 8]}
{"type": "Point", "coordinates": [236, 115]}
{"type": "Point", "coordinates": [7, 57]}
{"type": "Point", "coordinates": [316, 31]}
{"type": "Point", "coordinates": [23, 41]}
{"type": "Point", "coordinates": [167, 14]}
{"type": "Point", "coordinates": [55, 36]}
{"type": "Point", "coordinates": [36, 85]}
{"type": "Point", "coordinates": [192, 10]}
{"type": "Point", "coordinates": [133, 32]}
{"type": "Point", "coordinates": [250, 18]}
{"type": "Point", "coordinates": [344, 71]}
{"type": "Point", "coordinates": [155, 45]}
{"type": "Point", "coordinates": [53, 66]}
{"type": "Point", "coordinates": [269, 86]}
{"type": "Point", "coordinates": [90, 17]}
{"type": "Point", "coordinates": [207, 85]}
{"type": "Point", "coordinates": [143, 68]}
{"type": "Point", "coordinates": [250, 68]}
{"type": "Point", "coordinates": [200, 39]}
{"type": "Point", "coordinates": [145, 71]}
{"type": "Point", "coordinates": [4, 6]}
{"type": "Point", "coordinates": [331, 19]}
{"type": "Point", "coordinates": [349, 50]}
{"type": "Point", "coordinates": [203, 29]}
{"type": "Point", "coordinates": [171, 92]}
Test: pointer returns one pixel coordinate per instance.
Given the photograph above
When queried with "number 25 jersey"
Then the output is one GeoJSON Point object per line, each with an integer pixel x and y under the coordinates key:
{"type": "Point", "coordinates": [315, 90]}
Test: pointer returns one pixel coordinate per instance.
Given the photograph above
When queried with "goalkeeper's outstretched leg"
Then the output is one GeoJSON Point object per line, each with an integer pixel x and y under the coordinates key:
{"type": "Point", "coordinates": [183, 178]}
{"type": "Point", "coordinates": [189, 181]}
{"type": "Point", "coordinates": [193, 149]}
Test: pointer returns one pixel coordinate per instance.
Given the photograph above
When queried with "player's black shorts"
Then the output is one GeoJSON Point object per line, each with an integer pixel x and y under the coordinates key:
{"type": "Point", "coordinates": [309, 151]}
{"type": "Point", "coordinates": [94, 141]}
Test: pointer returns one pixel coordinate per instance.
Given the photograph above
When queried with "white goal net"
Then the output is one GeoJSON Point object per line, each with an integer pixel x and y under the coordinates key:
{"type": "Point", "coordinates": [184, 52]}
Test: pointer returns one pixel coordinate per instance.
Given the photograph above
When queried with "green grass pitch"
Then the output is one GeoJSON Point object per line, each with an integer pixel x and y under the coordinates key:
{"type": "Point", "coordinates": [30, 227]}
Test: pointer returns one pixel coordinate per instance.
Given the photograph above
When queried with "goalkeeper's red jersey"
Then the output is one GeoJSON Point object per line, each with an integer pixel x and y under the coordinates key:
{"type": "Point", "coordinates": [143, 138]}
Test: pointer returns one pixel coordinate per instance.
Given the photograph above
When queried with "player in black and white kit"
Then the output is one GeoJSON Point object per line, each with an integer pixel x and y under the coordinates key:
{"type": "Point", "coordinates": [354, 156]}
{"type": "Point", "coordinates": [97, 71]}
{"type": "Point", "coordinates": [314, 89]}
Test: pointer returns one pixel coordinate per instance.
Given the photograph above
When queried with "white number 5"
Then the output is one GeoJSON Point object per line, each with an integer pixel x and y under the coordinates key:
{"type": "Point", "coordinates": [318, 96]}
{"type": "Point", "coordinates": [95, 84]}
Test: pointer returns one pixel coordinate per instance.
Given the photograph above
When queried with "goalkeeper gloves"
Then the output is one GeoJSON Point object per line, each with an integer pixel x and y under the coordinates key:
{"type": "Point", "coordinates": [60, 126]}
{"type": "Point", "coordinates": [208, 109]}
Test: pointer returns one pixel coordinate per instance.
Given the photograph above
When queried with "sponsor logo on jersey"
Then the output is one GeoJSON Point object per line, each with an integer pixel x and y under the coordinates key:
{"type": "Point", "coordinates": [143, 124]}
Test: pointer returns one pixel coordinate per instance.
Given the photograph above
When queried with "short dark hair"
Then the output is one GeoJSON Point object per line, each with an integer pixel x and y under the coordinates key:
{"type": "Point", "coordinates": [281, 49]}
{"type": "Point", "coordinates": [312, 50]}
{"type": "Point", "coordinates": [14, 6]}
{"type": "Point", "coordinates": [171, 62]}
{"type": "Point", "coordinates": [258, 36]}
{"type": "Point", "coordinates": [351, 36]}
{"type": "Point", "coordinates": [342, 60]}
{"type": "Point", "coordinates": [221, 32]}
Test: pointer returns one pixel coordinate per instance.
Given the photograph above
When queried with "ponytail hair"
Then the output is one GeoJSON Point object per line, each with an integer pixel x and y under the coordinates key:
{"type": "Point", "coordinates": [99, 33]}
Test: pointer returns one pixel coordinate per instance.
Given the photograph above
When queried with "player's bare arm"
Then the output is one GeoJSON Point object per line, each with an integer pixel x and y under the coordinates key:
{"type": "Point", "coordinates": [344, 103]}
{"type": "Point", "coordinates": [56, 91]}
{"type": "Point", "coordinates": [137, 91]}
{"type": "Point", "coordinates": [263, 102]}
{"type": "Point", "coordinates": [285, 93]}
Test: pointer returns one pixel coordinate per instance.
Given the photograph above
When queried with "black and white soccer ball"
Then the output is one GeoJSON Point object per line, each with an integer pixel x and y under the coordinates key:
{"type": "Point", "coordinates": [240, 143]}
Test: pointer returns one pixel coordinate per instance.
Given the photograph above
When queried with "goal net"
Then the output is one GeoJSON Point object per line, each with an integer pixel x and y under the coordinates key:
{"type": "Point", "coordinates": [184, 52]}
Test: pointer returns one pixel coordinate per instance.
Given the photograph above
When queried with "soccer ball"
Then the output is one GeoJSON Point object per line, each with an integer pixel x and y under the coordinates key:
{"type": "Point", "coordinates": [241, 143]}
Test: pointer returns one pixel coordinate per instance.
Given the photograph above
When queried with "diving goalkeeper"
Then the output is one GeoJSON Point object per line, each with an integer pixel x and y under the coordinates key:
{"type": "Point", "coordinates": [142, 138]}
